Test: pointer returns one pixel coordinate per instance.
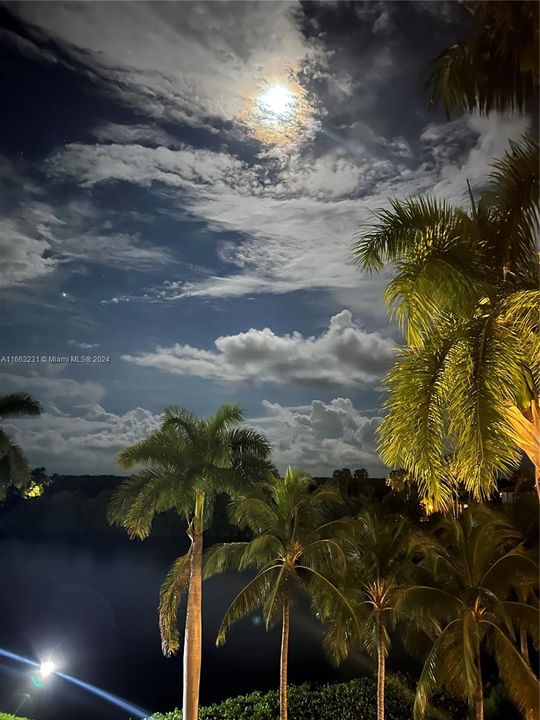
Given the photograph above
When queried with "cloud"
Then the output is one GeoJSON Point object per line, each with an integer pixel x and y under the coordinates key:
{"type": "Point", "coordinates": [123, 133]}
{"type": "Point", "coordinates": [23, 255]}
{"type": "Point", "coordinates": [196, 63]}
{"type": "Point", "coordinates": [187, 168]}
{"type": "Point", "coordinates": [321, 437]}
{"type": "Point", "coordinates": [53, 392]}
{"type": "Point", "coordinates": [318, 437]}
{"type": "Point", "coordinates": [39, 234]}
{"type": "Point", "coordinates": [295, 213]}
{"type": "Point", "coordinates": [87, 442]}
{"type": "Point", "coordinates": [344, 354]}
{"type": "Point", "coordinates": [82, 345]}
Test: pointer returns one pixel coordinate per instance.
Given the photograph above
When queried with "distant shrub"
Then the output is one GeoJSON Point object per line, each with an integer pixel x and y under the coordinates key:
{"type": "Point", "coordinates": [354, 700]}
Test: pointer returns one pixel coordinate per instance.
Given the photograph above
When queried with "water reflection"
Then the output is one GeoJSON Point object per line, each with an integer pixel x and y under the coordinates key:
{"type": "Point", "coordinates": [98, 608]}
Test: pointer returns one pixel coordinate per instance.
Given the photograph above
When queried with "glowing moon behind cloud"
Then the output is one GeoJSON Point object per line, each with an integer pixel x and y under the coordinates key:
{"type": "Point", "coordinates": [278, 113]}
{"type": "Point", "coordinates": [277, 104]}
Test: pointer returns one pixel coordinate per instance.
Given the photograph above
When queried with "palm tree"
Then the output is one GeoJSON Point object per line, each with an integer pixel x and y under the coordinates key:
{"type": "Point", "coordinates": [377, 572]}
{"type": "Point", "coordinates": [14, 468]}
{"type": "Point", "coordinates": [470, 569]}
{"type": "Point", "coordinates": [186, 462]}
{"type": "Point", "coordinates": [497, 67]}
{"type": "Point", "coordinates": [463, 394]}
{"type": "Point", "coordinates": [522, 514]}
{"type": "Point", "coordinates": [295, 550]}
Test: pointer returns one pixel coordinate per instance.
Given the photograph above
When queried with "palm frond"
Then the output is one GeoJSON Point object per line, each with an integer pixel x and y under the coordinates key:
{"type": "Point", "coordinates": [422, 601]}
{"type": "Point", "coordinates": [524, 617]}
{"type": "Point", "coordinates": [249, 599]}
{"type": "Point", "coordinates": [513, 569]}
{"type": "Point", "coordinates": [254, 513]}
{"type": "Point", "coordinates": [225, 417]}
{"type": "Point", "coordinates": [326, 555]}
{"type": "Point", "coordinates": [140, 497]}
{"type": "Point", "coordinates": [19, 404]}
{"type": "Point", "coordinates": [174, 587]}
{"type": "Point", "coordinates": [159, 447]}
{"type": "Point", "coordinates": [513, 244]}
{"type": "Point", "coordinates": [442, 668]}
{"type": "Point", "coordinates": [223, 557]}
{"type": "Point", "coordinates": [247, 441]}
{"type": "Point", "coordinates": [14, 468]}
{"type": "Point", "coordinates": [516, 675]}
{"type": "Point", "coordinates": [412, 433]}
{"type": "Point", "coordinates": [497, 68]}
{"type": "Point", "coordinates": [486, 367]}
{"type": "Point", "coordinates": [401, 229]}
{"type": "Point", "coordinates": [182, 421]}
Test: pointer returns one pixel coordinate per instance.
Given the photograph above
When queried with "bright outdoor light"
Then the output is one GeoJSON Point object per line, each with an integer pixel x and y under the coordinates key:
{"type": "Point", "coordinates": [47, 667]}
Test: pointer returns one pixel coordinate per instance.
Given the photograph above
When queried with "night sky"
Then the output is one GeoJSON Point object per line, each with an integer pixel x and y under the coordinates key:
{"type": "Point", "coordinates": [158, 212]}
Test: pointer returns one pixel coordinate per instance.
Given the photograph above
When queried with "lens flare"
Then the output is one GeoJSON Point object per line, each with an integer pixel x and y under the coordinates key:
{"type": "Point", "coordinates": [109, 697]}
{"type": "Point", "coordinates": [47, 667]}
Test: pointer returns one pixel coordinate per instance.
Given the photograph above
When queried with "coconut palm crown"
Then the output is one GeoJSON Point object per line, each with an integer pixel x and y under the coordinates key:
{"type": "Point", "coordinates": [471, 571]}
{"type": "Point", "coordinates": [462, 399]}
{"type": "Point", "coordinates": [184, 464]}
{"type": "Point", "coordinates": [295, 550]}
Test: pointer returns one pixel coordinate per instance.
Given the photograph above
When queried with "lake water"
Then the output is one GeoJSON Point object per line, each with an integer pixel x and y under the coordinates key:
{"type": "Point", "coordinates": [95, 610]}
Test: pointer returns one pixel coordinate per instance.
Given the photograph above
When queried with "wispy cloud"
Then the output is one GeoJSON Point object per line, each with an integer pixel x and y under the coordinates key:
{"type": "Point", "coordinates": [196, 63]}
{"type": "Point", "coordinates": [40, 233]}
{"type": "Point", "coordinates": [296, 215]}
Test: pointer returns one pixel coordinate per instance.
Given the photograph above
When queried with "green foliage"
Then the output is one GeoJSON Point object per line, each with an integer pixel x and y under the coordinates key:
{"type": "Point", "coordinates": [497, 67]}
{"type": "Point", "coordinates": [463, 604]}
{"type": "Point", "coordinates": [295, 547]}
{"type": "Point", "coordinates": [187, 456]}
{"type": "Point", "coordinates": [354, 700]}
{"type": "Point", "coordinates": [184, 465]}
{"type": "Point", "coordinates": [7, 716]}
{"type": "Point", "coordinates": [464, 289]}
{"type": "Point", "coordinates": [14, 468]}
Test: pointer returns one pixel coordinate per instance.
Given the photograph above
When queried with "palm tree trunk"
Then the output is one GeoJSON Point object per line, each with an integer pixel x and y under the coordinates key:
{"type": "Point", "coordinates": [479, 696]}
{"type": "Point", "coordinates": [283, 709]}
{"type": "Point", "coordinates": [193, 630]}
{"type": "Point", "coordinates": [380, 671]}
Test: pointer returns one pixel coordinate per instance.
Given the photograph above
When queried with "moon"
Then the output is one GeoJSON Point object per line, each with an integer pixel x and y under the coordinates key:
{"type": "Point", "coordinates": [277, 104]}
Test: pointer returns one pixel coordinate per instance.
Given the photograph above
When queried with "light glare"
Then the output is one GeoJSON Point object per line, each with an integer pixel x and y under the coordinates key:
{"type": "Point", "coordinates": [47, 667]}
{"type": "Point", "coordinates": [278, 100]}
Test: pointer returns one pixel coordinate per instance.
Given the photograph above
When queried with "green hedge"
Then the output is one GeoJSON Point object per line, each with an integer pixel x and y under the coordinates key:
{"type": "Point", "coordinates": [6, 716]}
{"type": "Point", "coordinates": [354, 700]}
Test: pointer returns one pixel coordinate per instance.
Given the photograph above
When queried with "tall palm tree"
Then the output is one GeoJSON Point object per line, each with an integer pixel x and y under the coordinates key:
{"type": "Point", "coordinates": [496, 68]}
{"type": "Point", "coordinates": [185, 463]}
{"type": "Point", "coordinates": [377, 572]}
{"type": "Point", "coordinates": [470, 570]}
{"type": "Point", "coordinates": [463, 395]}
{"type": "Point", "coordinates": [295, 550]}
{"type": "Point", "coordinates": [14, 468]}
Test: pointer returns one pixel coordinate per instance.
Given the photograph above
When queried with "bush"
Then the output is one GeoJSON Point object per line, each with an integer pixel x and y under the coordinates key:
{"type": "Point", "coordinates": [354, 700]}
{"type": "Point", "coordinates": [6, 716]}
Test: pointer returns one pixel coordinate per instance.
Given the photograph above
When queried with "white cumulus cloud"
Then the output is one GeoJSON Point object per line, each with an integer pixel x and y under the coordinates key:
{"type": "Point", "coordinates": [321, 437]}
{"type": "Point", "coordinates": [344, 354]}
